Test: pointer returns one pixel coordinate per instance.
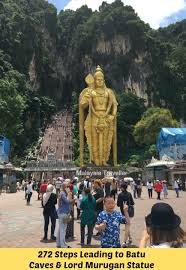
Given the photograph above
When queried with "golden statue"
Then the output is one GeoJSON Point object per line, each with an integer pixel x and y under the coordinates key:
{"type": "Point", "coordinates": [100, 124]}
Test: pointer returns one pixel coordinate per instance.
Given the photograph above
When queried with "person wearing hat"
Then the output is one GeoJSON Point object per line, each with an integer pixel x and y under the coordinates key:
{"type": "Point", "coordinates": [163, 228]}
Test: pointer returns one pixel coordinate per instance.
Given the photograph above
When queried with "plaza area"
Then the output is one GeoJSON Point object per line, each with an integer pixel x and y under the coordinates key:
{"type": "Point", "coordinates": [21, 226]}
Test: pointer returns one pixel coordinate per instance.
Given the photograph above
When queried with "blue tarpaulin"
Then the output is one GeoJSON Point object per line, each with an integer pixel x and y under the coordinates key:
{"type": "Point", "coordinates": [4, 149]}
{"type": "Point", "coordinates": [171, 136]}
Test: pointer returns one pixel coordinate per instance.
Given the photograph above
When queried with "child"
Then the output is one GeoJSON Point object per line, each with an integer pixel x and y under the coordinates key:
{"type": "Point", "coordinates": [108, 223]}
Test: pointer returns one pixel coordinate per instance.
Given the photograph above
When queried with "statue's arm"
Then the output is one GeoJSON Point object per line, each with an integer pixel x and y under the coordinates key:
{"type": "Point", "coordinates": [114, 103]}
{"type": "Point", "coordinates": [84, 98]}
{"type": "Point", "coordinates": [114, 108]}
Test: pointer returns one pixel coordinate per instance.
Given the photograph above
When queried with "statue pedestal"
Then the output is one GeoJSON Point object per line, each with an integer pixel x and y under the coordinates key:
{"type": "Point", "coordinates": [101, 172]}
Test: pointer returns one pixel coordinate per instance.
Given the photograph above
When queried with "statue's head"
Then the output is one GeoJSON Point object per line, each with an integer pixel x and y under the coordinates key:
{"type": "Point", "coordinates": [99, 77]}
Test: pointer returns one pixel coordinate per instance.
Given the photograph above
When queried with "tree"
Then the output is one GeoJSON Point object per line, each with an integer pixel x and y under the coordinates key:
{"type": "Point", "coordinates": [12, 105]}
{"type": "Point", "coordinates": [147, 129]}
{"type": "Point", "coordinates": [130, 110]}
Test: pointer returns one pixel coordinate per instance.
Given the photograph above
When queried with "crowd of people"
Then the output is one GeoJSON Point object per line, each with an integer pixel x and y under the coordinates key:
{"type": "Point", "coordinates": [159, 186]}
{"type": "Point", "coordinates": [95, 201]}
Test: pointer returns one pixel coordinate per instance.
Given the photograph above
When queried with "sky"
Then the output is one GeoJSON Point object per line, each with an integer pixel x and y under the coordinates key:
{"type": "Point", "coordinates": [157, 13]}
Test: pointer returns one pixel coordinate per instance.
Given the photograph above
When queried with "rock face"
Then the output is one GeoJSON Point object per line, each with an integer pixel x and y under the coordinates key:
{"type": "Point", "coordinates": [66, 52]}
{"type": "Point", "coordinates": [57, 51]}
{"type": "Point", "coordinates": [109, 54]}
{"type": "Point", "coordinates": [118, 45]}
{"type": "Point", "coordinates": [33, 74]}
{"type": "Point", "coordinates": [67, 74]}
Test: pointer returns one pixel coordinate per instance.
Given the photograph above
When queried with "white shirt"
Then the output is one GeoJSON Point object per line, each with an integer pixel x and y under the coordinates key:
{"type": "Point", "coordinates": [149, 185]}
{"type": "Point", "coordinates": [79, 201]}
{"type": "Point", "coordinates": [29, 189]}
{"type": "Point", "coordinates": [87, 184]}
{"type": "Point", "coordinates": [176, 185]}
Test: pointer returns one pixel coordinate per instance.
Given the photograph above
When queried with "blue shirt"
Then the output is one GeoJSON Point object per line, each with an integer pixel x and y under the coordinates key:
{"type": "Point", "coordinates": [110, 237]}
{"type": "Point", "coordinates": [64, 205]}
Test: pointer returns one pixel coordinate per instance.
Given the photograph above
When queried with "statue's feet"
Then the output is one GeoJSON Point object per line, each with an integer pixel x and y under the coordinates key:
{"type": "Point", "coordinates": [105, 164]}
{"type": "Point", "coordinates": [97, 162]}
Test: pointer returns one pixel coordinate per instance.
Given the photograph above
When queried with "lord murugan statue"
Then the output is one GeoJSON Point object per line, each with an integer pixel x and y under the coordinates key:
{"type": "Point", "coordinates": [97, 120]}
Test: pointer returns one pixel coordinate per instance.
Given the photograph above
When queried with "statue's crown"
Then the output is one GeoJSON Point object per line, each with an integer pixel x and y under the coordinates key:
{"type": "Point", "coordinates": [98, 72]}
{"type": "Point", "coordinates": [99, 69]}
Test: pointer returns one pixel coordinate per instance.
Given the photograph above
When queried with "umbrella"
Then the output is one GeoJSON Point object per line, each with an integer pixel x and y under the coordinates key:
{"type": "Point", "coordinates": [128, 179]}
{"type": "Point", "coordinates": [17, 169]}
{"type": "Point", "coordinates": [67, 180]}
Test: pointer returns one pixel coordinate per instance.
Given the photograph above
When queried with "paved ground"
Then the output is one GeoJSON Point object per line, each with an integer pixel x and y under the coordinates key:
{"type": "Point", "coordinates": [22, 226]}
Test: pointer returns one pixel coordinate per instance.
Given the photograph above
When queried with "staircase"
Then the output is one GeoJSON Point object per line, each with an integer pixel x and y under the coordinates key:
{"type": "Point", "coordinates": [57, 139]}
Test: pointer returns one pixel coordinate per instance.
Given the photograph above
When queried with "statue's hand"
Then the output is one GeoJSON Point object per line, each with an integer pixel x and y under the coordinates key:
{"type": "Point", "coordinates": [97, 115]}
{"type": "Point", "coordinates": [105, 115]}
{"type": "Point", "coordinates": [88, 95]}
{"type": "Point", "coordinates": [110, 118]}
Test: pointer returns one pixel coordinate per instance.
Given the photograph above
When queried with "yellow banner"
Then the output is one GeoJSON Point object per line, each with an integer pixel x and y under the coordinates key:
{"type": "Point", "coordinates": [101, 259]}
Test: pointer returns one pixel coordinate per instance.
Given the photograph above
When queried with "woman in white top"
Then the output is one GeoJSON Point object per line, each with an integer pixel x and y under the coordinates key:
{"type": "Point", "coordinates": [150, 189]}
{"type": "Point", "coordinates": [163, 228]}
{"type": "Point", "coordinates": [176, 188]}
{"type": "Point", "coordinates": [29, 192]}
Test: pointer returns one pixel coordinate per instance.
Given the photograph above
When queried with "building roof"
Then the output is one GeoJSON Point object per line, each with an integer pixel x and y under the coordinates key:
{"type": "Point", "coordinates": [165, 161]}
{"type": "Point", "coordinates": [161, 163]}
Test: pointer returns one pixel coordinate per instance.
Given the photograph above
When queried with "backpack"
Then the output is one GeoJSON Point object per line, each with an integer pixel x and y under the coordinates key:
{"type": "Point", "coordinates": [81, 187]}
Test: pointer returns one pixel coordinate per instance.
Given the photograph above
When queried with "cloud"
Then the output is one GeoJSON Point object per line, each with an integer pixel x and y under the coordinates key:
{"type": "Point", "coordinates": [151, 11]}
{"type": "Point", "coordinates": [177, 16]}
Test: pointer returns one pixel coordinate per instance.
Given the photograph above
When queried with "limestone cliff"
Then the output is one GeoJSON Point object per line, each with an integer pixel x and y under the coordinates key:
{"type": "Point", "coordinates": [56, 51]}
{"type": "Point", "coordinates": [113, 55]}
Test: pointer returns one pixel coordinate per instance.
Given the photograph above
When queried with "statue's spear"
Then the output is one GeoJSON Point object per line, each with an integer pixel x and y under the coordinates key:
{"type": "Point", "coordinates": [90, 82]}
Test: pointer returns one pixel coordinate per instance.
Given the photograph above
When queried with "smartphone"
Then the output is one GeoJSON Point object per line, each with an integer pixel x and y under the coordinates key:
{"type": "Point", "coordinates": [104, 221]}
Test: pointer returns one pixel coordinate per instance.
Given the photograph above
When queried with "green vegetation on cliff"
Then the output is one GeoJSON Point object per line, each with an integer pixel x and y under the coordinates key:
{"type": "Point", "coordinates": [44, 58]}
